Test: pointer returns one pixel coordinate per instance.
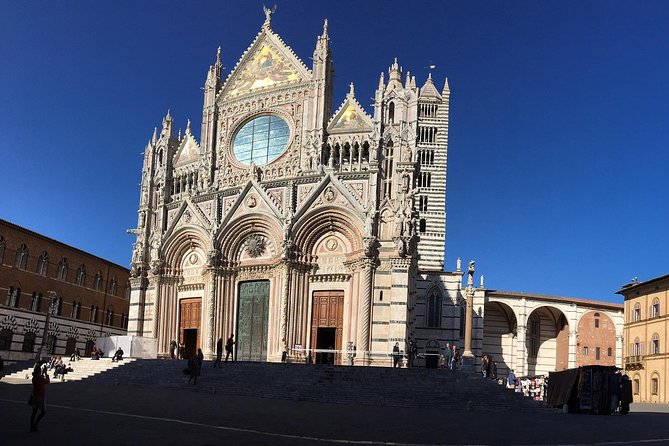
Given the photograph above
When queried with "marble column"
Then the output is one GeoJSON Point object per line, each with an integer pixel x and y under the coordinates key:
{"type": "Point", "coordinates": [365, 311]}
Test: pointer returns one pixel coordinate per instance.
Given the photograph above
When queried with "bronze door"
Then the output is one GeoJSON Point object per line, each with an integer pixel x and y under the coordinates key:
{"type": "Point", "coordinates": [190, 312]}
{"type": "Point", "coordinates": [327, 321]}
{"type": "Point", "coordinates": [252, 316]}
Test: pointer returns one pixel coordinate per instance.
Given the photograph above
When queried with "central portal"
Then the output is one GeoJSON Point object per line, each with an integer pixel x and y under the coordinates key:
{"type": "Point", "coordinates": [190, 312]}
{"type": "Point", "coordinates": [252, 312]}
{"type": "Point", "coordinates": [327, 323]}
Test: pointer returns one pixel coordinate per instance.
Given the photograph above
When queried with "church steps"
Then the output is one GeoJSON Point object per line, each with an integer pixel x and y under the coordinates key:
{"type": "Point", "coordinates": [82, 369]}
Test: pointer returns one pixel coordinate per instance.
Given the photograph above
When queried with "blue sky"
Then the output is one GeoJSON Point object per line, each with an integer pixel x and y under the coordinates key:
{"type": "Point", "coordinates": [558, 145]}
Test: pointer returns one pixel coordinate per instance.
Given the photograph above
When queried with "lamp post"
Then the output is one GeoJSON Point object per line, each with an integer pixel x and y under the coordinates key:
{"type": "Point", "coordinates": [53, 299]}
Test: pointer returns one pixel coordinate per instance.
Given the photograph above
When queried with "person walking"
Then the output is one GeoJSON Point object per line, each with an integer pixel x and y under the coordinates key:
{"type": "Point", "coordinates": [182, 350]}
{"type": "Point", "coordinates": [219, 352]}
{"type": "Point", "coordinates": [228, 348]}
{"type": "Point", "coordinates": [193, 369]}
{"type": "Point", "coordinates": [448, 356]}
{"type": "Point", "coordinates": [484, 365]}
{"type": "Point", "coordinates": [200, 360]}
{"type": "Point", "coordinates": [38, 397]}
{"type": "Point", "coordinates": [173, 349]}
{"type": "Point", "coordinates": [396, 355]}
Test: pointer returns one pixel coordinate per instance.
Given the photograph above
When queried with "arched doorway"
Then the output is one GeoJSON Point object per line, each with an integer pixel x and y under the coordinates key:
{"type": "Point", "coordinates": [547, 341]}
{"type": "Point", "coordinates": [499, 336]}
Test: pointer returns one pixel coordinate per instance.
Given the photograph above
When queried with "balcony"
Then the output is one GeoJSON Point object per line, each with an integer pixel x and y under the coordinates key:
{"type": "Point", "coordinates": [634, 362]}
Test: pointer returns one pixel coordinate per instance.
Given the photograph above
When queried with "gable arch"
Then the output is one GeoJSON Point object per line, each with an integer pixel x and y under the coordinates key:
{"type": "Point", "coordinates": [316, 223]}
{"type": "Point", "coordinates": [177, 244]}
{"type": "Point", "coordinates": [231, 239]}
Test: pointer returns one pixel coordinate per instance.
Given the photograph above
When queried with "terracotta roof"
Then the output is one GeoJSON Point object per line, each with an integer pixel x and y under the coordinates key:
{"type": "Point", "coordinates": [562, 299]}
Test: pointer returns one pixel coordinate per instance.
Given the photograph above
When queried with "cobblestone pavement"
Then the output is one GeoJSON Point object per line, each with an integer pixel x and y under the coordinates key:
{"type": "Point", "coordinates": [84, 414]}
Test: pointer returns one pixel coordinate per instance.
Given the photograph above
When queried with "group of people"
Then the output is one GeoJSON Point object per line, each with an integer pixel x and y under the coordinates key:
{"type": "Point", "coordinates": [177, 350]}
{"type": "Point", "coordinates": [451, 356]}
{"type": "Point", "coordinates": [194, 365]}
{"type": "Point", "coordinates": [58, 366]}
{"type": "Point", "coordinates": [96, 353]}
{"type": "Point", "coordinates": [488, 367]}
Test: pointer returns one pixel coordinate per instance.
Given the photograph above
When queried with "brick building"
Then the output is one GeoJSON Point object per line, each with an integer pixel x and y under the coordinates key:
{"type": "Point", "coordinates": [90, 295]}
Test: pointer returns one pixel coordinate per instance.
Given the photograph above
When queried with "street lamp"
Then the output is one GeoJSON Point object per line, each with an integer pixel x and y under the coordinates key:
{"type": "Point", "coordinates": [53, 301]}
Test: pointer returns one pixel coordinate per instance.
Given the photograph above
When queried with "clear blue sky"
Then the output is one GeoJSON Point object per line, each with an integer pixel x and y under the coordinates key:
{"type": "Point", "coordinates": [558, 147]}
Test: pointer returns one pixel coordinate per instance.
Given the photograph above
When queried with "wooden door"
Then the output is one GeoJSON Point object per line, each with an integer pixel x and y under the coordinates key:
{"type": "Point", "coordinates": [328, 312]}
{"type": "Point", "coordinates": [190, 313]}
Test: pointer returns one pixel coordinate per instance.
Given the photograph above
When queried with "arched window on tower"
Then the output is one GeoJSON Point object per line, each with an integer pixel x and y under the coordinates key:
{"type": "Point", "coordinates": [433, 311]}
{"type": "Point", "coordinates": [655, 308]}
{"type": "Point", "coordinates": [21, 257]}
{"type": "Point", "coordinates": [62, 269]}
{"type": "Point", "coordinates": [43, 263]}
{"type": "Point", "coordinates": [81, 275]}
{"type": "Point", "coordinates": [36, 301]}
{"type": "Point", "coordinates": [422, 225]}
{"type": "Point", "coordinates": [655, 345]}
{"type": "Point", "coordinates": [391, 113]}
{"type": "Point", "coordinates": [98, 281]}
{"type": "Point", "coordinates": [112, 286]}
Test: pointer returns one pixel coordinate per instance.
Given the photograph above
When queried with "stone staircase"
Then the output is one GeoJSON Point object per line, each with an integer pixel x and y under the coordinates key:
{"type": "Point", "coordinates": [378, 386]}
{"type": "Point", "coordinates": [83, 369]}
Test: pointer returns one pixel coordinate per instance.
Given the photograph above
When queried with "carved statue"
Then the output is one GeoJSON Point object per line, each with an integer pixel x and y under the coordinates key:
{"type": "Point", "coordinates": [470, 272]}
{"type": "Point", "coordinates": [212, 257]}
{"type": "Point", "coordinates": [471, 267]}
{"type": "Point", "coordinates": [458, 264]}
{"type": "Point", "coordinates": [155, 244]}
{"type": "Point", "coordinates": [369, 222]}
{"type": "Point", "coordinates": [137, 252]}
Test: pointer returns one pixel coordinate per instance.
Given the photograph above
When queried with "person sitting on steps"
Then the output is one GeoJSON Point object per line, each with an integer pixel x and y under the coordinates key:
{"type": "Point", "coordinates": [118, 355]}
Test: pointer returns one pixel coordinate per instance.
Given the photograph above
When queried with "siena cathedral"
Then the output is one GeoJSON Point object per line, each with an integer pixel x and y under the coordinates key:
{"type": "Point", "coordinates": [294, 225]}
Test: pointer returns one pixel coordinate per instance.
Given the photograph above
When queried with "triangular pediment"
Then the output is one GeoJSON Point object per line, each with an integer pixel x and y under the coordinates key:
{"type": "Point", "coordinates": [350, 118]}
{"type": "Point", "coordinates": [330, 192]}
{"type": "Point", "coordinates": [188, 214]}
{"type": "Point", "coordinates": [253, 199]}
{"type": "Point", "coordinates": [189, 150]}
{"type": "Point", "coordinates": [268, 63]}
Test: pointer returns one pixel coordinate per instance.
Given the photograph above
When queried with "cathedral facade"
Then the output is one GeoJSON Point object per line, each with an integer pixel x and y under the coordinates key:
{"type": "Point", "coordinates": [294, 224]}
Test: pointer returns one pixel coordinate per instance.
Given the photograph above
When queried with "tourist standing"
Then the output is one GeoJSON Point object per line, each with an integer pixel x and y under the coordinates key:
{"type": "Point", "coordinates": [200, 360]}
{"type": "Point", "coordinates": [614, 391]}
{"type": "Point", "coordinates": [484, 366]}
{"type": "Point", "coordinates": [413, 352]}
{"type": "Point", "coordinates": [448, 356]}
{"type": "Point", "coordinates": [193, 369]}
{"type": "Point", "coordinates": [396, 355]}
{"type": "Point", "coordinates": [173, 348]}
{"type": "Point", "coordinates": [219, 352]}
{"type": "Point", "coordinates": [38, 397]}
{"type": "Point", "coordinates": [182, 350]}
{"type": "Point", "coordinates": [228, 348]}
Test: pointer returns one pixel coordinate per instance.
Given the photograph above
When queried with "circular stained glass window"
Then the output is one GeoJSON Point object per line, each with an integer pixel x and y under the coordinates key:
{"type": "Point", "coordinates": [261, 140]}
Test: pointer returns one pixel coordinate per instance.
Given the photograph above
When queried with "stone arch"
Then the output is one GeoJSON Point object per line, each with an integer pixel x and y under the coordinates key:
{"type": "Point", "coordinates": [499, 335]}
{"type": "Point", "coordinates": [547, 340]}
{"type": "Point", "coordinates": [596, 330]}
{"type": "Point", "coordinates": [182, 241]}
{"type": "Point", "coordinates": [237, 231]}
{"type": "Point", "coordinates": [314, 224]}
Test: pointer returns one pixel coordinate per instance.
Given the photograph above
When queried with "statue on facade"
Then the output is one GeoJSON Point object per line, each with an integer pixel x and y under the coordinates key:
{"type": "Point", "coordinates": [212, 257]}
{"type": "Point", "coordinates": [369, 222]}
{"type": "Point", "coordinates": [137, 252]}
{"type": "Point", "coordinates": [458, 264]}
{"type": "Point", "coordinates": [470, 272]}
{"type": "Point", "coordinates": [154, 246]}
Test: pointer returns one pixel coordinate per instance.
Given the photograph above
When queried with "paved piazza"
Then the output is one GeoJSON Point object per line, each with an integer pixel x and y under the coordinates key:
{"type": "Point", "coordinates": [85, 414]}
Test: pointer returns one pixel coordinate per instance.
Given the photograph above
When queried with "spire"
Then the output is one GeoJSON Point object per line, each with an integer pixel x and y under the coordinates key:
{"type": "Point", "coordinates": [351, 90]}
{"type": "Point", "coordinates": [407, 82]}
{"type": "Point", "coordinates": [325, 29]}
{"type": "Point", "coordinates": [218, 56]}
{"type": "Point", "coordinates": [154, 138]}
{"type": "Point", "coordinates": [446, 89]}
{"type": "Point", "coordinates": [188, 128]}
{"type": "Point", "coordinates": [381, 84]}
{"type": "Point", "coordinates": [179, 135]}
{"type": "Point", "coordinates": [395, 73]}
